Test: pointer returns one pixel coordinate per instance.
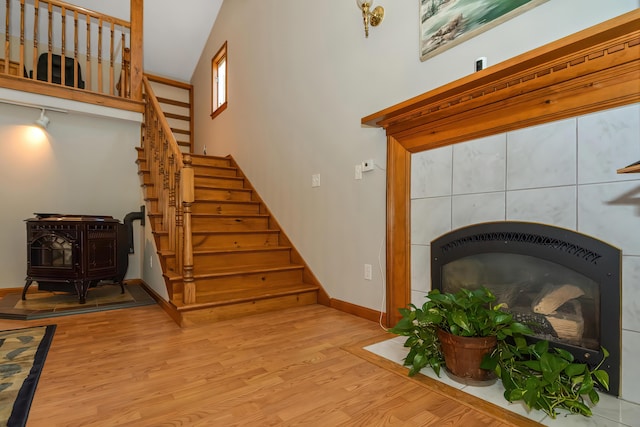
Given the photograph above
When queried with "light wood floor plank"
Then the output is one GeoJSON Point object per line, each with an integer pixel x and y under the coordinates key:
{"type": "Point", "coordinates": [300, 366]}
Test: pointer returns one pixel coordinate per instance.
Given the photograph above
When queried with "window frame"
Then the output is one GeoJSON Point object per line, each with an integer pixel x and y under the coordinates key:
{"type": "Point", "coordinates": [219, 58]}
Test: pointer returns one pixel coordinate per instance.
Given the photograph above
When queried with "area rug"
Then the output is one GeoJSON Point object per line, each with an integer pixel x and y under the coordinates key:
{"type": "Point", "coordinates": [43, 304]}
{"type": "Point", "coordinates": [22, 356]}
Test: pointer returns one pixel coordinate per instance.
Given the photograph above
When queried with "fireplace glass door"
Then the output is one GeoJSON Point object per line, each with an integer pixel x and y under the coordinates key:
{"type": "Point", "coordinates": [559, 304]}
{"type": "Point", "coordinates": [565, 285]}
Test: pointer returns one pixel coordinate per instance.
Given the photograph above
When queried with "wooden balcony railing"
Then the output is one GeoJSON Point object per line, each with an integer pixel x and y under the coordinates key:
{"type": "Point", "coordinates": [59, 49]}
{"type": "Point", "coordinates": [172, 177]}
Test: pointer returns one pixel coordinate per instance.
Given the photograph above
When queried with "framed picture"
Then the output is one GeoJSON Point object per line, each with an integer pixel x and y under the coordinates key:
{"type": "Point", "coordinates": [447, 23]}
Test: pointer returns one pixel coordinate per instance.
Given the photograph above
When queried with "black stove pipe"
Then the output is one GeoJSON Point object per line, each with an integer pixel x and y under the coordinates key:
{"type": "Point", "coordinates": [128, 222]}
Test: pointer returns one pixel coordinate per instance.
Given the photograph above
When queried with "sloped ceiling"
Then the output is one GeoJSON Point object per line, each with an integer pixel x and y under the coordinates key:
{"type": "Point", "coordinates": [174, 32]}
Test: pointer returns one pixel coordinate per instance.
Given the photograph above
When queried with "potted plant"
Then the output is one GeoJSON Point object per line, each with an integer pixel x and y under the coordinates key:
{"type": "Point", "coordinates": [543, 377]}
{"type": "Point", "coordinates": [448, 327]}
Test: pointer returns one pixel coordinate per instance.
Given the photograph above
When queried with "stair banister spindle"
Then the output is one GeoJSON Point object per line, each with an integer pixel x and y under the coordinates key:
{"type": "Point", "coordinates": [111, 50]}
{"type": "Point", "coordinates": [87, 72]}
{"type": "Point", "coordinates": [63, 57]}
{"type": "Point", "coordinates": [21, 60]}
{"type": "Point", "coordinates": [49, 40]}
{"type": "Point", "coordinates": [188, 196]}
{"type": "Point", "coordinates": [7, 42]}
{"type": "Point", "coordinates": [36, 25]}
{"type": "Point", "coordinates": [75, 48]}
{"type": "Point", "coordinates": [170, 208]}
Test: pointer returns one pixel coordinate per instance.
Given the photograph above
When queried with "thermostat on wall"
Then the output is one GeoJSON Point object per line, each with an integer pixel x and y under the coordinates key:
{"type": "Point", "coordinates": [481, 63]}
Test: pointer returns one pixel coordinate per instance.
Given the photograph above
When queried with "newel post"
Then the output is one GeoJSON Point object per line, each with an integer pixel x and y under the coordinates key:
{"type": "Point", "coordinates": [187, 190]}
{"type": "Point", "coordinates": [137, 13]}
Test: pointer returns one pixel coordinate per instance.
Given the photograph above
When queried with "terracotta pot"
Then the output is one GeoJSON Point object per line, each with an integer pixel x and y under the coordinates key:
{"type": "Point", "coordinates": [463, 355]}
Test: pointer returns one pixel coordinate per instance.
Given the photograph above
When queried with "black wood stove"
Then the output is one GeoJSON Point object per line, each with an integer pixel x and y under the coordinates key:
{"type": "Point", "coordinates": [72, 253]}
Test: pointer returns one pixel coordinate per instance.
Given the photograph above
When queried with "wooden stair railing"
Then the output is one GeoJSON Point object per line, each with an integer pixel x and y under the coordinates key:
{"type": "Point", "coordinates": [100, 63]}
{"type": "Point", "coordinates": [172, 179]}
{"type": "Point", "coordinates": [176, 100]}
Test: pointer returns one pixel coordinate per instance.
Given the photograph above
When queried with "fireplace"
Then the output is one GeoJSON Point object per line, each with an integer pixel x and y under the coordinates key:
{"type": "Point", "coordinates": [563, 284]}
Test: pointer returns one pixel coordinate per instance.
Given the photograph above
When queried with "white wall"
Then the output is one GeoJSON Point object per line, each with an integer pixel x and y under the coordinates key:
{"type": "Point", "coordinates": [300, 79]}
{"type": "Point", "coordinates": [85, 165]}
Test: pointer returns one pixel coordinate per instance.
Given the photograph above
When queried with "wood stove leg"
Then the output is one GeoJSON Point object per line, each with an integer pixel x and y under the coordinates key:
{"type": "Point", "coordinates": [82, 286]}
{"type": "Point", "coordinates": [26, 286]}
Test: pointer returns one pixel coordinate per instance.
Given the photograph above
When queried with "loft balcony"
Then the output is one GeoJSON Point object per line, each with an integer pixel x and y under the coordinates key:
{"type": "Point", "coordinates": [56, 49]}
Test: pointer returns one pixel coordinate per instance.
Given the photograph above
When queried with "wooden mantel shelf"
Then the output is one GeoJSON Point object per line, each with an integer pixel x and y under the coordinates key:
{"type": "Point", "coordinates": [632, 168]}
{"type": "Point", "coordinates": [592, 70]}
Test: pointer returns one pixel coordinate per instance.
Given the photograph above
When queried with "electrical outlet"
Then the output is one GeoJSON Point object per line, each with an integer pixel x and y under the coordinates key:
{"type": "Point", "coordinates": [368, 165]}
{"type": "Point", "coordinates": [368, 273]}
{"type": "Point", "coordinates": [481, 63]}
{"type": "Point", "coordinates": [315, 180]}
{"type": "Point", "coordinates": [358, 174]}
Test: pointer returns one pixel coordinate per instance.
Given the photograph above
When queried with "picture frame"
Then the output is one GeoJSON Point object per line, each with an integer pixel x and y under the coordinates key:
{"type": "Point", "coordinates": [447, 23]}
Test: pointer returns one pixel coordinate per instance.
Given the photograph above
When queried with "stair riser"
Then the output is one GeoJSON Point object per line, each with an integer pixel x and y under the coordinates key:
{"type": "Point", "coordinates": [145, 178]}
{"type": "Point", "coordinates": [150, 192]}
{"type": "Point", "coordinates": [248, 280]}
{"type": "Point", "coordinates": [209, 288]}
{"type": "Point", "coordinates": [216, 314]}
{"type": "Point", "coordinates": [162, 241]}
{"type": "Point", "coordinates": [152, 203]}
{"type": "Point", "coordinates": [234, 240]}
{"type": "Point", "coordinates": [225, 208]}
{"type": "Point", "coordinates": [210, 161]}
{"type": "Point", "coordinates": [214, 171]}
{"type": "Point", "coordinates": [155, 222]}
{"type": "Point", "coordinates": [217, 181]}
{"type": "Point", "coordinates": [203, 193]}
{"type": "Point", "coordinates": [229, 223]}
{"type": "Point", "coordinates": [203, 263]}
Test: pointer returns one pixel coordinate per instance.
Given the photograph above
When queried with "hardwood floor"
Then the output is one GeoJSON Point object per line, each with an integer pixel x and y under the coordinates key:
{"type": "Point", "coordinates": [136, 367]}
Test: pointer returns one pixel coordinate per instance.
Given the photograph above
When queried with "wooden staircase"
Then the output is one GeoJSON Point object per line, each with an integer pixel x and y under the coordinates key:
{"type": "Point", "coordinates": [243, 263]}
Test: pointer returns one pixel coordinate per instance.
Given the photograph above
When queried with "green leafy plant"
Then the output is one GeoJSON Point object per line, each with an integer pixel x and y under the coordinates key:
{"type": "Point", "coordinates": [546, 378]}
{"type": "Point", "coordinates": [467, 313]}
{"type": "Point", "coordinates": [543, 377]}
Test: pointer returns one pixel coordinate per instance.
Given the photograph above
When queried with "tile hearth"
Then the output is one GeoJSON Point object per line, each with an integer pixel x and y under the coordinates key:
{"type": "Point", "coordinates": [610, 411]}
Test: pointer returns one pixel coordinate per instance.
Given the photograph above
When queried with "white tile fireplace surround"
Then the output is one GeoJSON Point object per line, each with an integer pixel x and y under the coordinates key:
{"type": "Point", "coordinates": [562, 174]}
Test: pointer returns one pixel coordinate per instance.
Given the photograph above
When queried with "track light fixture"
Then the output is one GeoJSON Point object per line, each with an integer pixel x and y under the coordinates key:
{"type": "Point", "coordinates": [370, 17]}
{"type": "Point", "coordinates": [43, 121]}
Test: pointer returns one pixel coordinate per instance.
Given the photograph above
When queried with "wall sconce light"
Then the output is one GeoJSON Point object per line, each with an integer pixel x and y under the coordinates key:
{"type": "Point", "coordinates": [370, 17]}
{"type": "Point", "coordinates": [43, 121]}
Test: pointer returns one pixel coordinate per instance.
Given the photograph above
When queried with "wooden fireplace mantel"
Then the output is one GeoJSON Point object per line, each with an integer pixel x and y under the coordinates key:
{"type": "Point", "coordinates": [592, 70]}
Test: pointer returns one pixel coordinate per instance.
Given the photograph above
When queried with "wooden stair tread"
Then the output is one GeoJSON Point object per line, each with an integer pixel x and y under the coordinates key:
{"type": "Point", "coordinates": [222, 232]}
{"type": "Point", "coordinates": [207, 166]}
{"type": "Point", "coordinates": [235, 297]}
{"type": "Point", "coordinates": [227, 177]}
{"type": "Point", "coordinates": [230, 250]}
{"type": "Point", "coordinates": [169, 101]}
{"type": "Point", "coordinates": [235, 271]}
{"type": "Point", "coordinates": [217, 187]}
{"type": "Point", "coordinates": [208, 157]}
{"type": "Point", "coordinates": [246, 249]}
{"type": "Point", "coordinates": [231, 215]}
{"type": "Point", "coordinates": [230, 202]}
